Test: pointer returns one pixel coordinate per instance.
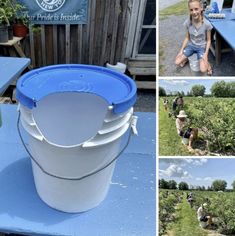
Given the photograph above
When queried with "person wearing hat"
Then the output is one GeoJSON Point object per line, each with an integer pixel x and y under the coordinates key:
{"type": "Point", "coordinates": [202, 216]}
{"type": "Point", "coordinates": [183, 129]}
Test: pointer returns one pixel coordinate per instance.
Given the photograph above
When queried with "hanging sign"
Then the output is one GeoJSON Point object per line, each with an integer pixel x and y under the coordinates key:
{"type": "Point", "coordinates": [56, 11]}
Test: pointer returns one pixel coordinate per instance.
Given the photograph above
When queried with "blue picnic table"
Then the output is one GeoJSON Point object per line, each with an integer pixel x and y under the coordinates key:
{"type": "Point", "coordinates": [129, 208]}
{"type": "Point", "coordinates": [224, 30]}
{"type": "Point", "coordinates": [10, 70]}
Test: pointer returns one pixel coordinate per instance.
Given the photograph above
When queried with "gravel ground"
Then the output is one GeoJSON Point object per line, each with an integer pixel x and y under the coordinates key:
{"type": "Point", "coordinates": [146, 101]}
{"type": "Point", "coordinates": [171, 35]}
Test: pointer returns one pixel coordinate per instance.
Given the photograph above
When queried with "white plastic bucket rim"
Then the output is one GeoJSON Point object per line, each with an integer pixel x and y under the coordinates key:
{"type": "Point", "coordinates": [110, 116]}
{"type": "Point", "coordinates": [116, 124]}
{"type": "Point", "coordinates": [101, 138]}
{"type": "Point", "coordinates": [110, 130]}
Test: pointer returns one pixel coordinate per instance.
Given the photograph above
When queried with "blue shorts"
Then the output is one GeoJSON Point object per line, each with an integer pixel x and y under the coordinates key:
{"type": "Point", "coordinates": [191, 49]}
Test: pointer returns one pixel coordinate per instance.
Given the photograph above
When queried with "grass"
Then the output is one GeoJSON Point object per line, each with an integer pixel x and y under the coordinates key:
{"type": "Point", "coordinates": [161, 59]}
{"type": "Point", "coordinates": [186, 222]}
{"type": "Point", "coordinates": [177, 10]}
{"type": "Point", "coordinates": [169, 141]}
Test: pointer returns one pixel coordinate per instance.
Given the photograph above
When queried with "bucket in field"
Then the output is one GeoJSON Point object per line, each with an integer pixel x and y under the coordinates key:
{"type": "Point", "coordinates": [75, 124]}
{"type": "Point", "coordinates": [194, 63]}
{"type": "Point", "coordinates": [203, 224]}
{"type": "Point", "coordinates": [185, 141]}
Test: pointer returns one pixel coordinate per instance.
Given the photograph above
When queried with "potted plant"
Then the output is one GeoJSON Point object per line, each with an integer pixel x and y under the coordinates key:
{"type": "Point", "coordinates": [5, 14]}
{"type": "Point", "coordinates": [14, 15]}
{"type": "Point", "coordinates": [20, 18]}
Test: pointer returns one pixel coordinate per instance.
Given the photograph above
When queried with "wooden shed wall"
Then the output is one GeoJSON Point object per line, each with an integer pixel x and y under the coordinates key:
{"type": "Point", "coordinates": [102, 39]}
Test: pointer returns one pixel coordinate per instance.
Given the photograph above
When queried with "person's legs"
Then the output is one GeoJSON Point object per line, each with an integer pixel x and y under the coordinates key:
{"type": "Point", "coordinates": [209, 217]}
{"type": "Point", "coordinates": [181, 59]}
{"type": "Point", "coordinates": [204, 65]}
{"type": "Point", "coordinates": [193, 136]}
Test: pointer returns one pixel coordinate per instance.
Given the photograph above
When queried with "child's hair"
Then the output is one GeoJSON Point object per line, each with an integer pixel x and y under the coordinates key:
{"type": "Point", "coordinates": [199, 1]}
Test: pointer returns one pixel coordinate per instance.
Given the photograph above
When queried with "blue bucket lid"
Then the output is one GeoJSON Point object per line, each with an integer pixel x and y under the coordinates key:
{"type": "Point", "coordinates": [117, 89]}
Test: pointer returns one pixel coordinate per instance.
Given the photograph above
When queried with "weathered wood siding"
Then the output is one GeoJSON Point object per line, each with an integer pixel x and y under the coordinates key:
{"type": "Point", "coordinates": [103, 39]}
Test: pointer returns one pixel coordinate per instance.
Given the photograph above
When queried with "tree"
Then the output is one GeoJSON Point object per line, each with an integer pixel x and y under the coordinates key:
{"type": "Point", "coordinates": [163, 184]}
{"type": "Point", "coordinates": [162, 92]}
{"type": "Point", "coordinates": [219, 185]}
{"type": "Point", "coordinates": [209, 188]}
{"type": "Point", "coordinates": [233, 184]}
{"type": "Point", "coordinates": [198, 90]}
{"type": "Point", "coordinates": [172, 184]}
{"type": "Point", "coordinates": [219, 89]}
{"type": "Point", "coordinates": [183, 186]}
{"type": "Point", "coordinates": [231, 88]}
{"type": "Point", "coordinates": [223, 89]}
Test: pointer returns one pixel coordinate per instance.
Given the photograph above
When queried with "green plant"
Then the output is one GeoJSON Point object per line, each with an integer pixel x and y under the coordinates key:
{"type": "Point", "coordinates": [11, 12]}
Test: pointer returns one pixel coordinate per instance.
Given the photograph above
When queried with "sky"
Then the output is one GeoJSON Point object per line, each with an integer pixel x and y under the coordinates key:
{"type": "Point", "coordinates": [197, 171]}
{"type": "Point", "coordinates": [171, 85]}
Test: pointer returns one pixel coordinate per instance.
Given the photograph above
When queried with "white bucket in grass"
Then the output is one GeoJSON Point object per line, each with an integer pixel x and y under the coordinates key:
{"type": "Point", "coordinates": [185, 141]}
{"type": "Point", "coordinates": [75, 126]}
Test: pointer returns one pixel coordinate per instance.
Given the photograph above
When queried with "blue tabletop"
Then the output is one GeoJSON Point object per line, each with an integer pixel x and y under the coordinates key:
{"type": "Point", "coordinates": [227, 30]}
{"type": "Point", "coordinates": [10, 69]}
{"type": "Point", "coordinates": [129, 208]}
{"type": "Point", "coordinates": [225, 27]}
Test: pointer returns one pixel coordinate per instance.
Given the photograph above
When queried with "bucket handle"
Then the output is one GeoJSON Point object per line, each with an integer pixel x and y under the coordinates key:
{"type": "Point", "coordinates": [133, 129]}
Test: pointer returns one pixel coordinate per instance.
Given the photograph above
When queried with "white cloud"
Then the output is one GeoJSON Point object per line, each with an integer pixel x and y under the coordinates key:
{"type": "Point", "coordinates": [208, 178]}
{"type": "Point", "coordinates": [174, 171]}
{"type": "Point", "coordinates": [199, 162]}
{"type": "Point", "coordinates": [183, 162]}
{"type": "Point", "coordinates": [177, 82]}
{"type": "Point", "coordinates": [204, 179]}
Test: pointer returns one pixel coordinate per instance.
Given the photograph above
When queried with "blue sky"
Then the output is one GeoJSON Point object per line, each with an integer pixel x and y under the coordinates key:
{"type": "Point", "coordinates": [171, 85]}
{"type": "Point", "coordinates": [198, 171]}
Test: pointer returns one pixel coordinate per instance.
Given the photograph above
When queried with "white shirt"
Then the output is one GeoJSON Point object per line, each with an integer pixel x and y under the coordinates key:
{"type": "Point", "coordinates": [180, 124]}
{"type": "Point", "coordinates": [200, 213]}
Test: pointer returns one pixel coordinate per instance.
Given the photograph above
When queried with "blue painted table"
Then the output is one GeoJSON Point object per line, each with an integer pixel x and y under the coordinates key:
{"type": "Point", "coordinates": [224, 29]}
{"type": "Point", "coordinates": [129, 208]}
{"type": "Point", "coordinates": [10, 69]}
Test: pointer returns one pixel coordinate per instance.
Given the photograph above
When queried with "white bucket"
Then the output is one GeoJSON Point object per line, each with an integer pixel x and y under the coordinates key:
{"type": "Point", "coordinates": [185, 141]}
{"type": "Point", "coordinates": [203, 224]}
{"type": "Point", "coordinates": [63, 193]}
{"type": "Point", "coordinates": [194, 63]}
{"type": "Point", "coordinates": [75, 161]}
{"type": "Point", "coordinates": [75, 126]}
